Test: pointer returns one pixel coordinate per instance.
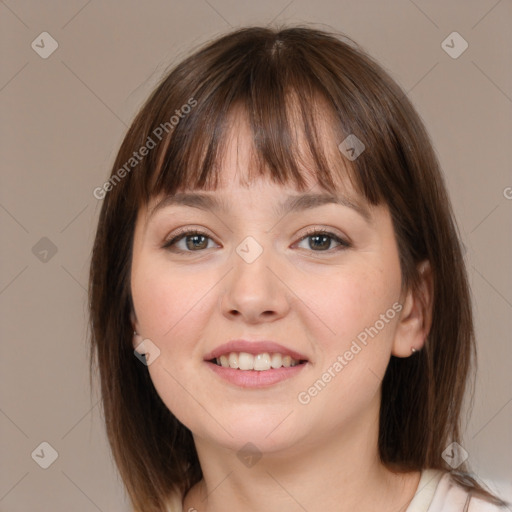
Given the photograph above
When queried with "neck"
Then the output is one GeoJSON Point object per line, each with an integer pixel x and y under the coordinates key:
{"type": "Point", "coordinates": [334, 471]}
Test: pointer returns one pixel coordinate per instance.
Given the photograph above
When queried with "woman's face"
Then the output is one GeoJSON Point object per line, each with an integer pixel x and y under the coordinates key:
{"type": "Point", "coordinates": [260, 273]}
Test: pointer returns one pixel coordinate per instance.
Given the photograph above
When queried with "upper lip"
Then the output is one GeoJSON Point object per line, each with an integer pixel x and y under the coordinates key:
{"type": "Point", "coordinates": [254, 348]}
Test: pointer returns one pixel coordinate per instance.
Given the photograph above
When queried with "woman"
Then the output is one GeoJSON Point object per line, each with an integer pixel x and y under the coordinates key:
{"type": "Point", "coordinates": [279, 304]}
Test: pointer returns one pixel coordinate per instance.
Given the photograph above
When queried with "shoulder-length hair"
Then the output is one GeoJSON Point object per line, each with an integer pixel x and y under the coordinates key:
{"type": "Point", "coordinates": [176, 141]}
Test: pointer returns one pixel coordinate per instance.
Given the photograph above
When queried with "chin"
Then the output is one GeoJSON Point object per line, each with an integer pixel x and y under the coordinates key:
{"type": "Point", "coordinates": [256, 441]}
{"type": "Point", "coordinates": [250, 433]}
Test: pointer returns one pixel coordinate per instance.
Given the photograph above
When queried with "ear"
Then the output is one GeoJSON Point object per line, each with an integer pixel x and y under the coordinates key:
{"type": "Point", "coordinates": [416, 316]}
{"type": "Point", "coordinates": [137, 338]}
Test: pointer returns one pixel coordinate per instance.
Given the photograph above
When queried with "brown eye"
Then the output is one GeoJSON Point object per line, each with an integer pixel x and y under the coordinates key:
{"type": "Point", "coordinates": [195, 241]}
{"type": "Point", "coordinates": [320, 240]}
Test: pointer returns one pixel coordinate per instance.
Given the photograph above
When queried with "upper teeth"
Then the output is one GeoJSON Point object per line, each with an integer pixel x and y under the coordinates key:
{"type": "Point", "coordinates": [264, 361]}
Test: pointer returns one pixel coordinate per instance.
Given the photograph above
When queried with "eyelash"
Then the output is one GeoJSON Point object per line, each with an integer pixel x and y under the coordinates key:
{"type": "Point", "coordinates": [183, 234]}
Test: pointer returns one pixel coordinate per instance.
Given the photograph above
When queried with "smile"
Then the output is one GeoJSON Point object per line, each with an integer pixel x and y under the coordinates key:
{"type": "Point", "coordinates": [253, 378]}
{"type": "Point", "coordinates": [259, 362]}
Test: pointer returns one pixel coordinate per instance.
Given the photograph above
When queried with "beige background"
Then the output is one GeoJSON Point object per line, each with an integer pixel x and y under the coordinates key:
{"type": "Point", "coordinates": [62, 121]}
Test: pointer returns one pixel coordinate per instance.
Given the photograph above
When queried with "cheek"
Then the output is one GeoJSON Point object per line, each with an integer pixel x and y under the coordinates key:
{"type": "Point", "coordinates": [173, 307]}
{"type": "Point", "coordinates": [356, 345]}
{"type": "Point", "coordinates": [353, 300]}
{"type": "Point", "coordinates": [168, 307]}
{"type": "Point", "coordinates": [163, 298]}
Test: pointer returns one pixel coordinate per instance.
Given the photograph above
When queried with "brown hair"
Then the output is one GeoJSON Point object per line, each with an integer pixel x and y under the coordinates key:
{"type": "Point", "coordinates": [261, 70]}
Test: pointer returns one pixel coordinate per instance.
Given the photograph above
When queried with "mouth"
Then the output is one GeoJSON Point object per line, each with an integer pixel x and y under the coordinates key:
{"type": "Point", "coordinates": [256, 371]}
{"type": "Point", "coordinates": [256, 363]}
{"type": "Point", "coordinates": [264, 361]}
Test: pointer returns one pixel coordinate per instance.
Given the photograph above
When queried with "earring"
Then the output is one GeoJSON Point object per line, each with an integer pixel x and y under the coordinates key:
{"type": "Point", "coordinates": [413, 350]}
{"type": "Point", "coordinates": [138, 343]}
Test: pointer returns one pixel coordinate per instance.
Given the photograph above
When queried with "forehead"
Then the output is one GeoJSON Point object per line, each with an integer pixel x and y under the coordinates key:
{"type": "Point", "coordinates": [258, 157]}
{"type": "Point", "coordinates": [238, 184]}
{"type": "Point", "coordinates": [238, 165]}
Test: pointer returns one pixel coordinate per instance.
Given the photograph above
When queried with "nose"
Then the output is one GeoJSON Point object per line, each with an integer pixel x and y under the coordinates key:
{"type": "Point", "coordinates": [256, 292]}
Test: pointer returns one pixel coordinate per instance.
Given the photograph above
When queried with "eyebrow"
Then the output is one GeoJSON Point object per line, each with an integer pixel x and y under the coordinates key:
{"type": "Point", "coordinates": [291, 204]}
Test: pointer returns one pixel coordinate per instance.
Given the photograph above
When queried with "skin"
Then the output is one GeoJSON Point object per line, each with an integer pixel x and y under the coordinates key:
{"type": "Point", "coordinates": [317, 456]}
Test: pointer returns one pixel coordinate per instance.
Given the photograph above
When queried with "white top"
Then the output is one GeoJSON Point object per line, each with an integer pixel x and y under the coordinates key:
{"type": "Point", "coordinates": [437, 492]}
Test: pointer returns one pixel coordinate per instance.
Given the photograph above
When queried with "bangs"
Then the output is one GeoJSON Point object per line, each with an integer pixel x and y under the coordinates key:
{"type": "Point", "coordinates": [286, 141]}
{"type": "Point", "coordinates": [297, 111]}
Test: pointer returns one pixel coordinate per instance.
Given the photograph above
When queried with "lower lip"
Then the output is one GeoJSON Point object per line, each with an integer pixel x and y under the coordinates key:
{"type": "Point", "coordinates": [255, 378]}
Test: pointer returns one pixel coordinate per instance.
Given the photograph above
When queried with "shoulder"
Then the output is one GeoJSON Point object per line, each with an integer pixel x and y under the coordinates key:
{"type": "Point", "coordinates": [481, 505]}
{"type": "Point", "coordinates": [438, 492]}
{"type": "Point", "coordinates": [453, 496]}
{"type": "Point", "coordinates": [174, 504]}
